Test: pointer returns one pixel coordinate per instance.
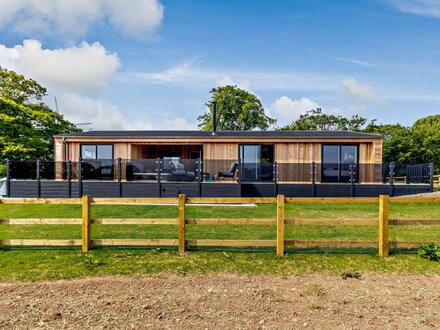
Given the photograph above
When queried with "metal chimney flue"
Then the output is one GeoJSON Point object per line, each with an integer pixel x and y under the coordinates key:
{"type": "Point", "coordinates": [214, 117]}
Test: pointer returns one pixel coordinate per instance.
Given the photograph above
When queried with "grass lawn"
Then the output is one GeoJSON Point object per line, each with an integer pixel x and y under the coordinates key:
{"type": "Point", "coordinates": [49, 264]}
{"type": "Point", "coordinates": [29, 264]}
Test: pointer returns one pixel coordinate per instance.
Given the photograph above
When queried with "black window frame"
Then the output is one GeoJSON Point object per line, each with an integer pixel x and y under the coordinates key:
{"type": "Point", "coordinates": [260, 175]}
{"type": "Point", "coordinates": [324, 178]}
{"type": "Point", "coordinates": [96, 150]}
{"type": "Point", "coordinates": [93, 169]}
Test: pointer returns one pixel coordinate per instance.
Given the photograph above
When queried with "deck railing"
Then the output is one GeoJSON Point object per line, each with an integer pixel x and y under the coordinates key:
{"type": "Point", "coordinates": [156, 172]}
{"type": "Point", "coordinates": [207, 170]}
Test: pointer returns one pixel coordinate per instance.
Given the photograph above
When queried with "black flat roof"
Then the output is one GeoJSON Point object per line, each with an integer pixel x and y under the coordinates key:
{"type": "Point", "coordinates": [230, 134]}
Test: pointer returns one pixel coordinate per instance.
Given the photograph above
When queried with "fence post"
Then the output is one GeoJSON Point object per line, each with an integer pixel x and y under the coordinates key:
{"type": "Point", "coordinates": [431, 177]}
{"type": "Point", "coordinates": [8, 178]}
{"type": "Point", "coordinates": [86, 228]}
{"type": "Point", "coordinates": [280, 225]}
{"type": "Point", "coordinates": [181, 223]}
{"type": "Point", "coordinates": [384, 205]}
{"type": "Point", "coordinates": [38, 177]}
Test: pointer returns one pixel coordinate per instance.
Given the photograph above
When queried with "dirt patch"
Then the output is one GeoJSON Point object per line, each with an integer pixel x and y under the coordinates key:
{"type": "Point", "coordinates": [225, 301]}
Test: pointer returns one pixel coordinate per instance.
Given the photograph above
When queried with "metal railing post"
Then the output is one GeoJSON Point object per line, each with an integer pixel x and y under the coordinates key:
{"type": "Point", "coordinates": [199, 177]}
{"type": "Point", "coordinates": [38, 177]}
{"type": "Point", "coordinates": [120, 176]}
{"type": "Point", "coordinates": [239, 171]}
{"type": "Point", "coordinates": [431, 177]}
{"type": "Point", "coordinates": [80, 177]}
{"type": "Point", "coordinates": [351, 179]}
{"type": "Point", "coordinates": [69, 178]}
{"type": "Point", "coordinates": [392, 179]}
{"type": "Point", "coordinates": [275, 178]}
{"type": "Point", "coordinates": [313, 172]}
{"type": "Point", "coordinates": [158, 184]}
{"type": "Point", "coordinates": [8, 178]}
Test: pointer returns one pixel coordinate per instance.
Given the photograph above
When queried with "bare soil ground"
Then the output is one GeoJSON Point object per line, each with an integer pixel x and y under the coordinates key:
{"type": "Point", "coordinates": [225, 301]}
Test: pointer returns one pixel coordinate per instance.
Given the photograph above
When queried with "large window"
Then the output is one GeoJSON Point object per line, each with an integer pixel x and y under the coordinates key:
{"type": "Point", "coordinates": [336, 161]}
{"type": "Point", "coordinates": [98, 161]}
{"type": "Point", "coordinates": [256, 162]}
{"type": "Point", "coordinates": [97, 151]}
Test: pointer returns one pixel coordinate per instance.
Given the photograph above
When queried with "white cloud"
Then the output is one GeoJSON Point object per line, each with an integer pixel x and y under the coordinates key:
{"type": "Point", "coordinates": [74, 18]}
{"type": "Point", "coordinates": [287, 110]}
{"type": "Point", "coordinates": [190, 75]}
{"type": "Point", "coordinates": [240, 83]}
{"type": "Point", "coordinates": [429, 8]}
{"type": "Point", "coordinates": [176, 123]}
{"type": "Point", "coordinates": [358, 93]}
{"type": "Point", "coordinates": [83, 69]}
{"type": "Point", "coordinates": [347, 60]}
{"type": "Point", "coordinates": [104, 115]}
{"type": "Point", "coordinates": [80, 109]}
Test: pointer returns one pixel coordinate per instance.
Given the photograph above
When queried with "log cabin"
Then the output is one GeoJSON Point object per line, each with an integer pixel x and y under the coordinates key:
{"type": "Point", "coordinates": [255, 153]}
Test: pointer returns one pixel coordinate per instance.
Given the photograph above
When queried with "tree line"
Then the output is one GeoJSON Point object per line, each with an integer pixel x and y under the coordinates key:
{"type": "Point", "coordinates": [239, 109]}
{"type": "Point", "coordinates": [27, 124]}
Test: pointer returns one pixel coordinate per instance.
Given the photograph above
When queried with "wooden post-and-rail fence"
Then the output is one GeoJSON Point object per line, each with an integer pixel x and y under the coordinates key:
{"type": "Point", "coordinates": [87, 242]}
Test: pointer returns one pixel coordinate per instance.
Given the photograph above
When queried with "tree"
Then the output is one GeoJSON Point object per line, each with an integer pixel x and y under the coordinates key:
{"type": "Point", "coordinates": [27, 125]}
{"type": "Point", "coordinates": [317, 120]}
{"type": "Point", "coordinates": [426, 134]}
{"type": "Point", "coordinates": [237, 109]}
{"type": "Point", "coordinates": [419, 143]}
{"type": "Point", "coordinates": [398, 142]}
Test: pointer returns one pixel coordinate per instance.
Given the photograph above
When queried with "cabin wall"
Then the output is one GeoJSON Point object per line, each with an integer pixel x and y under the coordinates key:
{"type": "Point", "coordinates": [220, 154]}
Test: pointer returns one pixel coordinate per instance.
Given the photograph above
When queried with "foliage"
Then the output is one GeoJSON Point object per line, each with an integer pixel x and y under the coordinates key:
{"type": "Point", "coordinates": [398, 142]}
{"type": "Point", "coordinates": [26, 123]}
{"type": "Point", "coordinates": [17, 88]}
{"type": "Point", "coordinates": [426, 135]}
{"type": "Point", "coordinates": [317, 120]}
{"type": "Point", "coordinates": [419, 143]}
{"type": "Point", "coordinates": [430, 251]}
{"type": "Point", "coordinates": [237, 109]}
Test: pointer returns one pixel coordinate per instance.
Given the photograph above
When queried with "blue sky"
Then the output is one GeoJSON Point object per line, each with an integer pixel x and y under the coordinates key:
{"type": "Point", "coordinates": [149, 64]}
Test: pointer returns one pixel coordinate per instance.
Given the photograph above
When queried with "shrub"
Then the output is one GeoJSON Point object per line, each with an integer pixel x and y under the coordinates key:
{"type": "Point", "coordinates": [430, 251]}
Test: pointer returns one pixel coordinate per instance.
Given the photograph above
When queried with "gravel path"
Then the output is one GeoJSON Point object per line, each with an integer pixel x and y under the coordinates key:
{"type": "Point", "coordinates": [224, 301]}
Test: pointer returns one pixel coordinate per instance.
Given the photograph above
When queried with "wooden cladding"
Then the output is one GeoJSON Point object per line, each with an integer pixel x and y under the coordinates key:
{"type": "Point", "coordinates": [285, 152]}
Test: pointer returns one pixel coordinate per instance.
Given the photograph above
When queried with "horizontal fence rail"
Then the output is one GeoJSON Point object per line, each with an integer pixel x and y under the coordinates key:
{"type": "Point", "coordinates": [279, 220]}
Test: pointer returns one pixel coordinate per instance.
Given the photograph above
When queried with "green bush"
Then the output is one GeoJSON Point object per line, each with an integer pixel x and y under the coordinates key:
{"type": "Point", "coordinates": [430, 251]}
{"type": "Point", "coordinates": [2, 170]}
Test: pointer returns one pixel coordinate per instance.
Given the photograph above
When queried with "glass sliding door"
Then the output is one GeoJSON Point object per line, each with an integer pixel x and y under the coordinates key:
{"type": "Point", "coordinates": [256, 162]}
{"type": "Point", "coordinates": [250, 156]}
{"type": "Point", "coordinates": [336, 160]}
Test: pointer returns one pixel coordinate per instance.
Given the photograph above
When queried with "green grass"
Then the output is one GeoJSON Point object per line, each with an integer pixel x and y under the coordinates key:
{"type": "Point", "coordinates": [39, 264]}
{"type": "Point", "coordinates": [36, 265]}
